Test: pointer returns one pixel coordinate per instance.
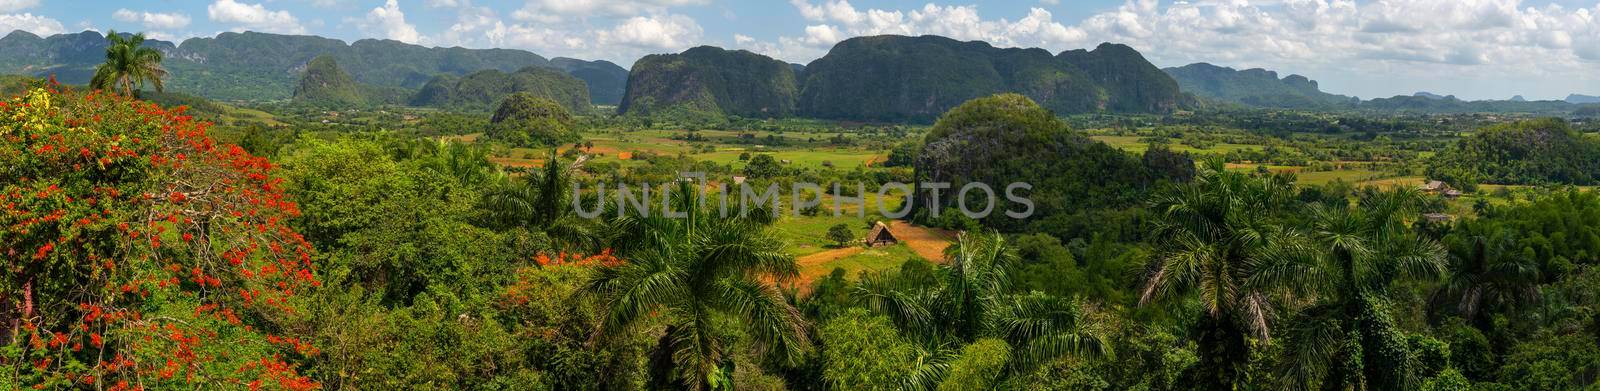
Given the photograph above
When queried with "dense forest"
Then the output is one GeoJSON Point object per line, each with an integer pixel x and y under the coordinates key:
{"type": "Point", "coordinates": [159, 240]}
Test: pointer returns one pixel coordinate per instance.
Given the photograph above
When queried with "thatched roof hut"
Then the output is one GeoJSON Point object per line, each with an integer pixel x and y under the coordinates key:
{"type": "Point", "coordinates": [880, 236]}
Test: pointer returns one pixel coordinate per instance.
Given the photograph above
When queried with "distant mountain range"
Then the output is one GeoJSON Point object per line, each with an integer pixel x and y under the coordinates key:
{"type": "Point", "coordinates": [1582, 99]}
{"type": "Point", "coordinates": [260, 66]}
{"type": "Point", "coordinates": [1263, 88]}
{"type": "Point", "coordinates": [897, 78]}
{"type": "Point", "coordinates": [1254, 87]}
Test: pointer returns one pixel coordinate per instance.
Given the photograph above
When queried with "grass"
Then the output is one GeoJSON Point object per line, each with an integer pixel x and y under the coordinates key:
{"type": "Point", "coordinates": [871, 259]}
{"type": "Point", "coordinates": [1136, 144]}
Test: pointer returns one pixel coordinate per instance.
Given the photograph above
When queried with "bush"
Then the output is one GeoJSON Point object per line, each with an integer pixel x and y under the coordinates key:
{"type": "Point", "coordinates": [840, 233]}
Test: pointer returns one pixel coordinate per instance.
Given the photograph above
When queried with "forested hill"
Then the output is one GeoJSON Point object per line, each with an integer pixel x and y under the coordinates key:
{"type": "Point", "coordinates": [484, 90]}
{"type": "Point", "coordinates": [894, 78]}
{"type": "Point", "coordinates": [710, 81]}
{"type": "Point", "coordinates": [256, 66]}
{"type": "Point", "coordinates": [1255, 87]}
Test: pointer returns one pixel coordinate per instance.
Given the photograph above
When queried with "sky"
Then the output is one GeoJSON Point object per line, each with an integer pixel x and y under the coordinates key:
{"type": "Point", "coordinates": [1474, 49]}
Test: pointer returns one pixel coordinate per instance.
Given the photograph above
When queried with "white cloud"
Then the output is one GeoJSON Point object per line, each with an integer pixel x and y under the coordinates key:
{"type": "Point", "coordinates": [550, 11]}
{"type": "Point", "coordinates": [671, 32]}
{"type": "Point", "coordinates": [621, 39]}
{"type": "Point", "coordinates": [254, 17]}
{"type": "Point", "coordinates": [152, 20]}
{"type": "Point", "coordinates": [17, 5]}
{"type": "Point", "coordinates": [36, 24]}
{"type": "Point", "coordinates": [444, 3]}
{"type": "Point", "coordinates": [389, 22]}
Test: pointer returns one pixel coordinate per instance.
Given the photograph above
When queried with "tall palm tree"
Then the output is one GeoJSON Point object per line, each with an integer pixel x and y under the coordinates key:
{"type": "Point", "coordinates": [128, 65]}
{"type": "Point", "coordinates": [1215, 234]}
{"type": "Point", "coordinates": [972, 301]}
{"type": "Point", "coordinates": [1485, 274]}
{"type": "Point", "coordinates": [694, 272]}
{"type": "Point", "coordinates": [540, 202]}
{"type": "Point", "coordinates": [1353, 257]}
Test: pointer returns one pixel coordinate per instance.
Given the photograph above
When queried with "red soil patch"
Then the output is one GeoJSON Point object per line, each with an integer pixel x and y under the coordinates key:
{"type": "Point", "coordinates": [929, 243]}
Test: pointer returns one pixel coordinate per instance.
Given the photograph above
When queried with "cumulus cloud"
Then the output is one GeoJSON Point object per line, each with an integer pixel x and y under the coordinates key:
{"type": "Point", "coordinates": [670, 32]}
{"type": "Point", "coordinates": [549, 11]}
{"type": "Point", "coordinates": [36, 24]}
{"type": "Point", "coordinates": [17, 5]}
{"type": "Point", "coordinates": [152, 20]}
{"type": "Point", "coordinates": [638, 28]}
{"type": "Point", "coordinates": [254, 17]}
{"type": "Point", "coordinates": [389, 22]}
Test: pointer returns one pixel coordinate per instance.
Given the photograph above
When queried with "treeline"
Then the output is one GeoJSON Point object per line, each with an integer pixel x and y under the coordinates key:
{"type": "Point", "coordinates": [372, 260]}
{"type": "Point", "coordinates": [1537, 152]}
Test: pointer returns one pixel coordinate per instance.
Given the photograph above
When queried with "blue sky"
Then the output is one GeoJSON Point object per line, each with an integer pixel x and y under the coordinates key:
{"type": "Point", "coordinates": [1477, 49]}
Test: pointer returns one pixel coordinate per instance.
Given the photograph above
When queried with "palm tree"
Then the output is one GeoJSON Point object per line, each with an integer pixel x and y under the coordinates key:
{"type": "Point", "coordinates": [1215, 235]}
{"type": "Point", "coordinates": [1353, 257]}
{"type": "Point", "coordinates": [1485, 274]}
{"type": "Point", "coordinates": [693, 273]}
{"type": "Point", "coordinates": [973, 301]}
{"type": "Point", "coordinates": [128, 65]}
{"type": "Point", "coordinates": [539, 202]}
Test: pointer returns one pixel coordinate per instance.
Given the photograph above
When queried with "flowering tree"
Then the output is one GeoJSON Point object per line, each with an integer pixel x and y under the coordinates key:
{"type": "Point", "coordinates": [139, 253]}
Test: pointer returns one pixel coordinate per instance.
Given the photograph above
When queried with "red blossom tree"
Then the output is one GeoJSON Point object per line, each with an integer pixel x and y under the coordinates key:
{"type": "Point", "coordinates": [139, 253]}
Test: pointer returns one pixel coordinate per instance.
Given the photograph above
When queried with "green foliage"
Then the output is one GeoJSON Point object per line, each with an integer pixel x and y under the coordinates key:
{"type": "Point", "coordinates": [707, 83]}
{"type": "Point", "coordinates": [393, 227]}
{"type": "Point", "coordinates": [526, 120]}
{"type": "Point", "coordinates": [978, 367]}
{"type": "Point", "coordinates": [706, 276]}
{"type": "Point", "coordinates": [840, 234]}
{"type": "Point", "coordinates": [325, 84]}
{"type": "Point", "coordinates": [1005, 139]}
{"type": "Point", "coordinates": [1553, 362]}
{"type": "Point", "coordinates": [1534, 152]}
{"type": "Point", "coordinates": [128, 65]}
{"type": "Point", "coordinates": [1448, 380]}
{"type": "Point", "coordinates": [1255, 87]}
{"type": "Point", "coordinates": [862, 351]}
{"type": "Point", "coordinates": [763, 166]}
{"type": "Point", "coordinates": [899, 78]}
{"type": "Point", "coordinates": [484, 89]}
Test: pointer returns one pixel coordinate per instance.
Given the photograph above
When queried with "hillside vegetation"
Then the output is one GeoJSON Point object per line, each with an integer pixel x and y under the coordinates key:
{"type": "Point", "coordinates": [709, 81]}
{"type": "Point", "coordinates": [899, 78]}
{"type": "Point", "coordinates": [256, 66]}
{"type": "Point", "coordinates": [1525, 153]}
{"type": "Point", "coordinates": [485, 89]}
{"type": "Point", "coordinates": [1255, 87]}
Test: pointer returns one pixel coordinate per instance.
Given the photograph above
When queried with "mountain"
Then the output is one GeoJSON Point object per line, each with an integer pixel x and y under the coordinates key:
{"type": "Point", "coordinates": [1582, 99]}
{"type": "Point", "coordinates": [485, 89]}
{"type": "Point", "coordinates": [900, 78]}
{"type": "Point", "coordinates": [260, 66]}
{"type": "Point", "coordinates": [1429, 103]}
{"type": "Point", "coordinates": [1254, 87]}
{"type": "Point", "coordinates": [1132, 83]}
{"type": "Point", "coordinates": [606, 81]}
{"type": "Point", "coordinates": [1430, 95]}
{"type": "Point", "coordinates": [708, 80]}
{"type": "Point", "coordinates": [324, 83]}
{"type": "Point", "coordinates": [1518, 98]}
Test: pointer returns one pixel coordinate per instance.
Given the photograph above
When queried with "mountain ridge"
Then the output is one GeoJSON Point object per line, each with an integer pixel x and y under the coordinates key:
{"type": "Point", "coordinates": [262, 66]}
{"type": "Point", "coordinates": [1254, 87]}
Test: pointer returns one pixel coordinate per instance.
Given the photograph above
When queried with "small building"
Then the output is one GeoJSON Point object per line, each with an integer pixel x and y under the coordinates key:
{"type": "Point", "coordinates": [880, 236]}
{"type": "Point", "coordinates": [1437, 217]}
{"type": "Point", "coordinates": [738, 180]}
{"type": "Point", "coordinates": [1452, 193]}
{"type": "Point", "coordinates": [1434, 186]}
